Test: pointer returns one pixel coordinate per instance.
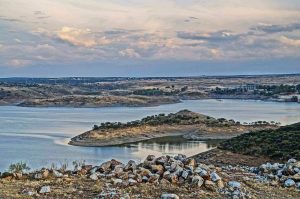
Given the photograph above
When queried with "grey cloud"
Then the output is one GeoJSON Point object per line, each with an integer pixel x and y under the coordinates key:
{"type": "Point", "coordinates": [269, 28]}
{"type": "Point", "coordinates": [38, 12]}
{"type": "Point", "coordinates": [10, 19]}
{"type": "Point", "coordinates": [40, 15]}
{"type": "Point", "coordinates": [223, 35]}
{"type": "Point", "coordinates": [115, 32]}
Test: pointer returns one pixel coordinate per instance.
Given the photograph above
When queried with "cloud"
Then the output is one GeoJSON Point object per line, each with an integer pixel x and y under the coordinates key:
{"type": "Point", "coordinates": [270, 28]}
{"type": "Point", "coordinates": [18, 40]}
{"type": "Point", "coordinates": [40, 15]}
{"type": "Point", "coordinates": [290, 42]}
{"type": "Point", "coordinates": [223, 35]}
{"type": "Point", "coordinates": [18, 63]}
{"type": "Point", "coordinates": [130, 53]}
{"type": "Point", "coordinates": [81, 37]}
{"type": "Point", "coordinates": [8, 19]}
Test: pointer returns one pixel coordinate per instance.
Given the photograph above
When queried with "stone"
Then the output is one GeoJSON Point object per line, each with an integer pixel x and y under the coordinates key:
{"type": "Point", "coordinates": [169, 196]}
{"type": "Point", "coordinates": [203, 166]}
{"type": "Point", "coordinates": [174, 178]}
{"type": "Point", "coordinates": [124, 176]}
{"type": "Point", "coordinates": [94, 169]}
{"type": "Point", "coordinates": [57, 174]}
{"type": "Point", "coordinates": [131, 166]}
{"type": "Point", "coordinates": [204, 174]}
{"type": "Point", "coordinates": [190, 162]}
{"type": "Point", "coordinates": [274, 183]}
{"type": "Point", "coordinates": [210, 185]}
{"type": "Point", "coordinates": [180, 157]}
{"type": "Point", "coordinates": [220, 184]}
{"type": "Point", "coordinates": [132, 182]}
{"type": "Point", "coordinates": [197, 180]}
{"type": "Point", "coordinates": [296, 164]}
{"type": "Point", "coordinates": [118, 170]}
{"type": "Point", "coordinates": [109, 194]}
{"type": "Point", "coordinates": [234, 184]}
{"type": "Point", "coordinates": [298, 185]}
{"type": "Point", "coordinates": [289, 183]}
{"type": "Point", "coordinates": [105, 167]}
{"type": "Point", "coordinates": [154, 178]}
{"type": "Point", "coordinates": [279, 173]}
{"type": "Point", "coordinates": [94, 176]}
{"type": "Point", "coordinates": [185, 174]}
{"type": "Point", "coordinates": [288, 170]}
{"type": "Point", "coordinates": [181, 180]}
{"type": "Point", "coordinates": [159, 169]}
{"type": "Point", "coordinates": [82, 172]}
{"type": "Point", "coordinates": [38, 176]}
{"type": "Point", "coordinates": [296, 177]}
{"type": "Point", "coordinates": [161, 160]}
{"type": "Point", "coordinates": [166, 175]}
{"type": "Point", "coordinates": [117, 181]}
{"type": "Point", "coordinates": [150, 158]}
{"type": "Point", "coordinates": [292, 160]}
{"type": "Point", "coordinates": [197, 170]}
{"type": "Point", "coordinates": [145, 179]}
{"type": "Point", "coordinates": [178, 171]}
{"type": "Point", "coordinates": [30, 193]}
{"type": "Point", "coordinates": [214, 177]}
{"type": "Point", "coordinates": [174, 165]}
{"type": "Point", "coordinates": [114, 163]}
{"type": "Point", "coordinates": [87, 167]}
{"type": "Point", "coordinates": [145, 172]}
{"type": "Point", "coordinates": [45, 189]}
{"type": "Point", "coordinates": [45, 173]}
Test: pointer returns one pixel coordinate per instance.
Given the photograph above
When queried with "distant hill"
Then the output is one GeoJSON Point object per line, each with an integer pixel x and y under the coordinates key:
{"type": "Point", "coordinates": [282, 143]}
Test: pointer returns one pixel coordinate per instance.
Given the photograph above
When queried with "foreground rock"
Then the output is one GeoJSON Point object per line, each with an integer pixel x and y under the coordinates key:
{"type": "Point", "coordinates": [158, 177]}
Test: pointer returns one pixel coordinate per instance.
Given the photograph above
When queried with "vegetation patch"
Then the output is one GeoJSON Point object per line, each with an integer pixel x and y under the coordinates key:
{"type": "Point", "coordinates": [282, 143]}
{"type": "Point", "coordinates": [183, 117]}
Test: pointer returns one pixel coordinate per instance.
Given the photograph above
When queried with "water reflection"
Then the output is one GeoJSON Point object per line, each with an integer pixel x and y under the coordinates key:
{"type": "Point", "coordinates": [171, 145]}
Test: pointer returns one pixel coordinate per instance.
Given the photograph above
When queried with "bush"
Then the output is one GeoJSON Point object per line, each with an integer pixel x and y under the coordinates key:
{"type": "Point", "coordinates": [19, 167]}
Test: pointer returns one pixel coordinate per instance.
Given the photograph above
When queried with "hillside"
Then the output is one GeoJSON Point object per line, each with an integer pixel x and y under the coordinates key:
{"type": "Point", "coordinates": [282, 143]}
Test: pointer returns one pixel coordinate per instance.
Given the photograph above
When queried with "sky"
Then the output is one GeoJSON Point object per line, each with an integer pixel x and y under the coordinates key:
{"type": "Point", "coordinates": [52, 38]}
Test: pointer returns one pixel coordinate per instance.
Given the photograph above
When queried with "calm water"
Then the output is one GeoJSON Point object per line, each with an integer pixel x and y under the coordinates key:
{"type": "Point", "coordinates": [39, 135]}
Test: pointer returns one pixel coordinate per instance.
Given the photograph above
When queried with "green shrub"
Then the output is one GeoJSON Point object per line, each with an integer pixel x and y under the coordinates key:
{"type": "Point", "coordinates": [19, 167]}
{"type": "Point", "coordinates": [283, 143]}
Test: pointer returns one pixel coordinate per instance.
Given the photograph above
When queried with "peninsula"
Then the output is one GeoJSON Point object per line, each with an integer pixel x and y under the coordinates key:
{"type": "Point", "coordinates": [184, 123]}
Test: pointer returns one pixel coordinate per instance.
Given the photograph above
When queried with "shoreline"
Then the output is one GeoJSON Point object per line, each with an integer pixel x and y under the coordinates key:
{"type": "Point", "coordinates": [145, 105]}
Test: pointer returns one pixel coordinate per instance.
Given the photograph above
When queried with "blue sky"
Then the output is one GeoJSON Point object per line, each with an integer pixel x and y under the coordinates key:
{"type": "Point", "coordinates": [148, 37]}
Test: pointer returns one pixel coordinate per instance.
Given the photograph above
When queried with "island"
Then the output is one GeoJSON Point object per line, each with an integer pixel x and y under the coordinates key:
{"type": "Point", "coordinates": [185, 123]}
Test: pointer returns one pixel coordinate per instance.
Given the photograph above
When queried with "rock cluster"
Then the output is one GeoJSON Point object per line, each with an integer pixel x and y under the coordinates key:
{"type": "Point", "coordinates": [288, 174]}
{"type": "Point", "coordinates": [164, 169]}
{"type": "Point", "coordinates": [178, 170]}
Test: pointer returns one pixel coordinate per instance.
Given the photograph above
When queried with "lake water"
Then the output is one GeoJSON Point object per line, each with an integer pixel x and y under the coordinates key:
{"type": "Point", "coordinates": [39, 136]}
